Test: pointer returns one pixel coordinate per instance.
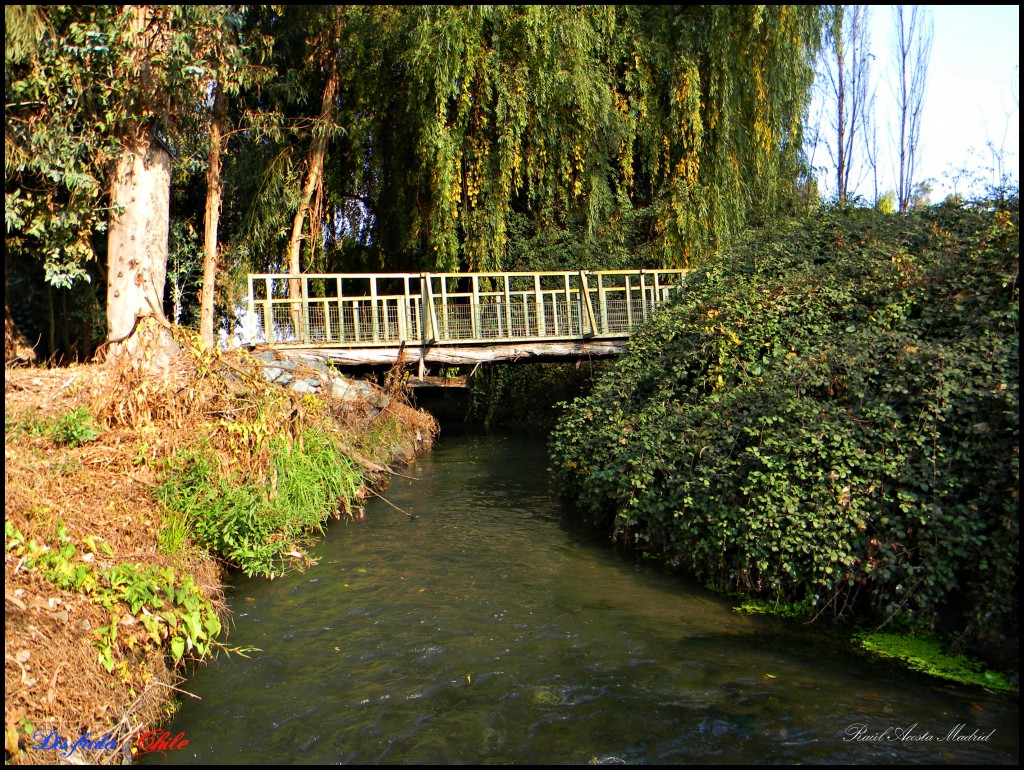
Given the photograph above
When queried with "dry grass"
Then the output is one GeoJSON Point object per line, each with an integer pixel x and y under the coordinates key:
{"type": "Point", "coordinates": [53, 678]}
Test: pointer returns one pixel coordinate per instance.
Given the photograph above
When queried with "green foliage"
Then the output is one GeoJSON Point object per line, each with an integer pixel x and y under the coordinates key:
{"type": "Point", "coordinates": [58, 115]}
{"type": "Point", "coordinates": [252, 526]}
{"type": "Point", "coordinates": [313, 475]}
{"type": "Point", "coordinates": [605, 125]}
{"type": "Point", "coordinates": [829, 413]}
{"type": "Point", "coordinates": [169, 606]}
{"type": "Point", "coordinates": [74, 88]}
{"type": "Point", "coordinates": [461, 137]}
{"type": "Point", "coordinates": [75, 428]}
{"type": "Point", "coordinates": [173, 534]}
{"type": "Point", "coordinates": [927, 655]}
{"type": "Point", "coordinates": [223, 514]}
{"type": "Point", "coordinates": [886, 203]}
{"type": "Point", "coordinates": [527, 396]}
{"type": "Point", "coordinates": [184, 273]}
{"type": "Point", "coordinates": [755, 606]}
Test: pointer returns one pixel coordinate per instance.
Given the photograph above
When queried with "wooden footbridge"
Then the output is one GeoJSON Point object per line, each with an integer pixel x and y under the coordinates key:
{"type": "Point", "coordinates": [356, 319]}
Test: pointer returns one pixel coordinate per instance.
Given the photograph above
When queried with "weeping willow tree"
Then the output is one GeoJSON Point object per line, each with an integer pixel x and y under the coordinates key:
{"type": "Point", "coordinates": [454, 134]}
{"type": "Point", "coordinates": [458, 119]}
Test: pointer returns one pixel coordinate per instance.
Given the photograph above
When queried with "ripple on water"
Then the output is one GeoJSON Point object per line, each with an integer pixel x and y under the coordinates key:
{"type": "Point", "coordinates": [485, 631]}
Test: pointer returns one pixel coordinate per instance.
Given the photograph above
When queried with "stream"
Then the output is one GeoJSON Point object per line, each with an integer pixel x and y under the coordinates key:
{"type": "Point", "coordinates": [488, 629]}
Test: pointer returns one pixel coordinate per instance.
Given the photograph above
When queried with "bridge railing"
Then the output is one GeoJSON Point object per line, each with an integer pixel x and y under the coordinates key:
{"type": "Point", "coordinates": [388, 309]}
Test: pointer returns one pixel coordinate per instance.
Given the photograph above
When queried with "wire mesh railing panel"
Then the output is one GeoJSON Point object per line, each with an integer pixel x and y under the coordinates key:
{"type": "Point", "coordinates": [562, 318]}
{"type": "Point", "coordinates": [316, 330]}
{"type": "Point", "coordinates": [383, 309]}
{"type": "Point", "coordinates": [491, 320]}
{"type": "Point", "coordinates": [641, 310]}
{"type": "Point", "coordinates": [615, 315]}
{"type": "Point", "coordinates": [523, 317]}
{"type": "Point", "coordinates": [285, 325]}
{"type": "Point", "coordinates": [455, 321]}
{"type": "Point", "coordinates": [257, 325]}
{"type": "Point", "coordinates": [334, 322]}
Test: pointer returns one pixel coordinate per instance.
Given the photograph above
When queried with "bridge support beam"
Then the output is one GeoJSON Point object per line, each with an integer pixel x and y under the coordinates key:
{"type": "Point", "coordinates": [454, 355]}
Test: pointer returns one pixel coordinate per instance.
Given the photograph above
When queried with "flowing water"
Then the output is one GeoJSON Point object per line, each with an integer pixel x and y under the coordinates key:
{"type": "Point", "coordinates": [487, 630]}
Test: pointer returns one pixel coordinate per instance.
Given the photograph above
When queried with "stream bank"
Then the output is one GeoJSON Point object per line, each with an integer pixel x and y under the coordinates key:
{"type": "Point", "coordinates": [110, 594]}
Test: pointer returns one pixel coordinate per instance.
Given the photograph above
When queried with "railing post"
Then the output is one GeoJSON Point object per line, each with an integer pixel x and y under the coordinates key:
{"type": "Point", "coordinates": [508, 308]}
{"type": "Point", "coordinates": [374, 318]}
{"type": "Point", "coordinates": [341, 312]}
{"type": "Point", "coordinates": [303, 334]}
{"type": "Point", "coordinates": [429, 310]}
{"type": "Point", "coordinates": [474, 315]}
{"type": "Point", "coordinates": [568, 307]}
{"type": "Point", "coordinates": [588, 304]}
{"type": "Point", "coordinates": [268, 313]}
{"type": "Point", "coordinates": [602, 301]}
{"type": "Point", "coordinates": [403, 312]}
{"type": "Point", "coordinates": [250, 317]}
{"type": "Point", "coordinates": [539, 303]}
{"type": "Point", "coordinates": [643, 296]}
{"type": "Point", "coordinates": [629, 305]}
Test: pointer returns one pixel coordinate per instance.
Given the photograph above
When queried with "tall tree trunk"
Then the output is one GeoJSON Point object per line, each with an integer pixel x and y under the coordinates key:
{"type": "Point", "coordinates": [212, 219]}
{"type": "Point", "coordinates": [315, 166]}
{"type": "Point", "coordinates": [314, 171]}
{"type": "Point", "coordinates": [912, 47]}
{"type": "Point", "coordinates": [840, 89]}
{"type": "Point", "coordinates": [137, 237]}
{"type": "Point", "coordinates": [137, 246]}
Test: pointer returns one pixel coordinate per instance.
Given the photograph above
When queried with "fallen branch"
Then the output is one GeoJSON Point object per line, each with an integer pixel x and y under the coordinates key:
{"type": "Point", "coordinates": [379, 495]}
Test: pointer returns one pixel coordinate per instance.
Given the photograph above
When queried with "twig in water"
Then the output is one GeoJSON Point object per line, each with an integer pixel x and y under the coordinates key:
{"type": "Point", "coordinates": [378, 494]}
{"type": "Point", "coordinates": [402, 475]}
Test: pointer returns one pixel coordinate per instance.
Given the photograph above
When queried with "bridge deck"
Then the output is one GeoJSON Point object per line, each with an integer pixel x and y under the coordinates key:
{"type": "Point", "coordinates": [346, 316]}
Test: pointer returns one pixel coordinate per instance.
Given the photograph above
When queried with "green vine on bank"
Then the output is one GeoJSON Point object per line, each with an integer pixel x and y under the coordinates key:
{"type": "Point", "coordinates": [175, 614]}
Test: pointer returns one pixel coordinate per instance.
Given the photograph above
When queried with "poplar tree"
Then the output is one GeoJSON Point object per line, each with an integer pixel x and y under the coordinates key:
{"type": "Point", "coordinates": [847, 72]}
{"type": "Point", "coordinates": [912, 49]}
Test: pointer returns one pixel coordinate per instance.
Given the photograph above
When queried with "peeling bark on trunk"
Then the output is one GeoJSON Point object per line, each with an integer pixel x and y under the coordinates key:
{"type": "Point", "coordinates": [137, 246]}
{"type": "Point", "coordinates": [314, 170]}
{"type": "Point", "coordinates": [211, 221]}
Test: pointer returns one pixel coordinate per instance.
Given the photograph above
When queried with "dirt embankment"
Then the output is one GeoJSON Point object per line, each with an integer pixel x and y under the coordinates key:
{"type": "Point", "coordinates": [108, 599]}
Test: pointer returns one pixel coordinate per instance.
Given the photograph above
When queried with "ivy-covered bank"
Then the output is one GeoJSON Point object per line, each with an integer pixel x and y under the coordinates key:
{"type": "Point", "coordinates": [828, 419]}
{"type": "Point", "coordinates": [126, 494]}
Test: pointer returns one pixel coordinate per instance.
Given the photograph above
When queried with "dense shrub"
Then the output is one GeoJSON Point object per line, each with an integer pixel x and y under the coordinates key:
{"type": "Point", "coordinates": [828, 416]}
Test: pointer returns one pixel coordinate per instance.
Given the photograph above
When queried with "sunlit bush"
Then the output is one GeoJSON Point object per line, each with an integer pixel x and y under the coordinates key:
{"type": "Point", "coordinates": [827, 417]}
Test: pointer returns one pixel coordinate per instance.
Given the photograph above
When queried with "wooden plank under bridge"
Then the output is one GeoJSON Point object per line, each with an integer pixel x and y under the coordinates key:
{"type": "Point", "coordinates": [355, 319]}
